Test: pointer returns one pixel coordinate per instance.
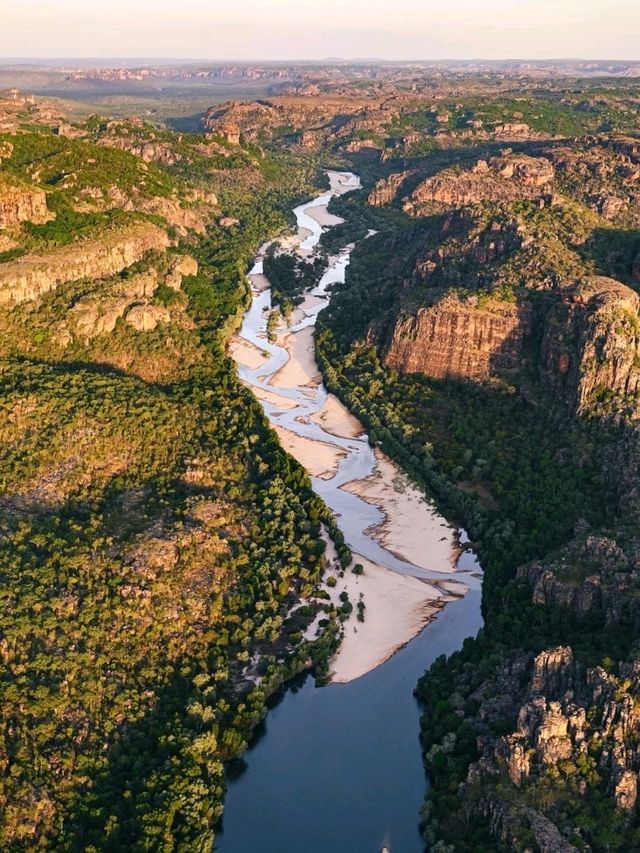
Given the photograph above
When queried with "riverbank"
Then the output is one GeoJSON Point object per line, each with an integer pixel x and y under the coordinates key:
{"type": "Point", "coordinates": [408, 551]}
{"type": "Point", "coordinates": [397, 608]}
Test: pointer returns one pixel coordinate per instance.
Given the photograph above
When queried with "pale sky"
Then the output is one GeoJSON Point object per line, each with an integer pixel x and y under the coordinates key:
{"type": "Point", "coordinates": [317, 29]}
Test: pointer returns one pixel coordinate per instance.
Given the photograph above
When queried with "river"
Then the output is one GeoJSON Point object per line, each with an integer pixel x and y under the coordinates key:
{"type": "Point", "coordinates": [339, 768]}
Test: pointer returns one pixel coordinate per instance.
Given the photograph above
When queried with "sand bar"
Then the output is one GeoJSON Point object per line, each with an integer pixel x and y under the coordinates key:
{"type": "Point", "coordinates": [301, 369]}
{"type": "Point", "coordinates": [336, 419]}
{"type": "Point", "coordinates": [320, 459]}
{"type": "Point", "coordinates": [397, 608]}
{"type": "Point", "coordinates": [283, 403]}
{"type": "Point", "coordinates": [323, 217]}
{"type": "Point", "coordinates": [413, 529]}
{"type": "Point", "coordinates": [246, 354]}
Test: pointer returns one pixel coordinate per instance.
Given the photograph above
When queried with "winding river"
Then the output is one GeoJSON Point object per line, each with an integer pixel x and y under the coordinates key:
{"type": "Point", "coordinates": [339, 768]}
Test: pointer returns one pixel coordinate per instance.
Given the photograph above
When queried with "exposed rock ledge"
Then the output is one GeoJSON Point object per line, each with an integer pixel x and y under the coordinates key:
{"type": "Point", "coordinates": [33, 275]}
{"type": "Point", "coordinates": [590, 352]}
{"type": "Point", "coordinates": [22, 203]}
{"type": "Point", "coordinates": [456, 338]}
{"type": "Point", "coordinates": [506, 178]}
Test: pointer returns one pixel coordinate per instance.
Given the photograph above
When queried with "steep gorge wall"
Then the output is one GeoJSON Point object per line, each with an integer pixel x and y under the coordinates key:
{"type": "Point", "coordinates": [31, 276]}
{"type": "Point", "coordinates": [455, 339]}
{"type": "Point", "coordinates": [590, 350]}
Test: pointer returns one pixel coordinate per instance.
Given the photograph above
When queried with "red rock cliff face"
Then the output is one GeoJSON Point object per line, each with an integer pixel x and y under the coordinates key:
{"type": "Point", "coordinates": [590, 352]}
{"type": "Point", "coordinates": [455, 339]}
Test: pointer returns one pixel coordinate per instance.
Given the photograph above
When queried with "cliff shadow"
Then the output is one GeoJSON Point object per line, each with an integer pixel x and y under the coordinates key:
{"type": "Point", "coordinates": [614, 251]}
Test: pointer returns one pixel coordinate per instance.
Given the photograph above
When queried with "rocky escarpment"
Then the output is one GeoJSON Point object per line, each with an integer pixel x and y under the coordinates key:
{"type": "Point", "coordinates": [590, 351]}
{"type": "Point", "coordinates": [604, 173]}
{"type": "Point", "coordinates": [386, 189]}
{"type": "Point", "coordinates": [583, 719]}
{"type": "Point", "coordinates": [21, 203]}
{"type": "Point", "coordinates": [151, 151]}
{"type": "Point", "coordinates": [594, 576]}
{"type": "Point", "coordinates": [552, 736]}
{"type": "Point", "coordinates": [98, 314]}
{"type": "Point", "coordinates": [30, 276]}
{"type": "Point", "coordinates": [587, 355]}
{"type": "Point", "coordinates": [308, 122]}
{"type": "Point", "coordinates": [506, 178]}
{"type": "Point", "coordinates": [458, 338]}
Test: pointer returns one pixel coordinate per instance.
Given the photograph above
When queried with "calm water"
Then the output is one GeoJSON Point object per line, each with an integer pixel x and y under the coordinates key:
{"type": "Point", "coordinates": [339, 768]}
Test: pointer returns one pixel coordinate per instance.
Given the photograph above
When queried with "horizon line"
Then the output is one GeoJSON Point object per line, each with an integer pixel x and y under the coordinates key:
{"type": "Point", "coordinates": [325, 60]}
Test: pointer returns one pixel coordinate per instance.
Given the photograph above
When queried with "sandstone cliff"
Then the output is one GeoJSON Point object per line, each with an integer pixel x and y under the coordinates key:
{"type": "Point", "coordinates": [98, 314]}
{"type": "Point", "coordinates": [547, 723]}
{"type": "Point", "coordinates": [386, 189]}
{"type": "Point", "coordinates": [593, 576]}
{"type": "Point", "coordinates": [31, 276]}
{"type": "Point", "coordinates": [457, 338]}
{"type": "Point", "coordinates": [21, 203]}
{"type": "Point", "coordinates": [590, 351]}
{"type": "Point", "coordinates": [152, 151]}
{"type": "Point", "coordinates": [506, 178]}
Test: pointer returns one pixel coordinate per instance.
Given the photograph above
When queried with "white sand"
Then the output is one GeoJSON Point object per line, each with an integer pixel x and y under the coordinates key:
{"type": "Point", "coordinates": [246, 353]}
{"type": "Point", "coordinates": [397, 608]}
{"type": "Point", "coordinates": [320, 459]}
{"type": "Point", "coordinates": [277, 399]}
{"type": "Point", "coordinates": [301, 369]}
{"type": "Point", "coordinates": [323, 217]}
{"type": "Point", "coordinates": [412, 529]}
{"type": "Point", "coordinates": [259, 281]}
{"type": "Point", "coordinates": [336, 419]}
{"type": "Point", "coordinates": [292, 241]}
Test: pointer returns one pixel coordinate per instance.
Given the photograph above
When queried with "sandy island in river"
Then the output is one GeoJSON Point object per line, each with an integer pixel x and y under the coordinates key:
{"type": "Point", "coordinates": [412, 530]}
{"type": "Point", "coordinates": [397, 607]}
{"type": "Point", "coordinates": [322, 216]}
{"type": "Point", "coordinates": [259, 281]}
{"type": "Point", "coordinates": [278, 400]}
{"type": "Point", "coordinates": [336, 419]}
{"type": "Point", "coordinates": [301, 369]}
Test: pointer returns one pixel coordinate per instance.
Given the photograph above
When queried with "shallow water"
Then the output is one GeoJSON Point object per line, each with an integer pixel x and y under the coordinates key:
{"type": "Point", "coordinates": [339, 768]}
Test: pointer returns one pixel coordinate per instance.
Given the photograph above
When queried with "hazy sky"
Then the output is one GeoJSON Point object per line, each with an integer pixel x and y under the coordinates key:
{"type": "Point", "coordinates": [289, 29]}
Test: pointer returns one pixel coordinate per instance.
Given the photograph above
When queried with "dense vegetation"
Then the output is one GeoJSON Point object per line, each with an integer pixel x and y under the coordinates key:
{"type": "Point", "coordinates": [290, 276]}
{"type": "Point", "coordinates": [529, 481]}
{"type": "Point", "coordinates": [155, 536]}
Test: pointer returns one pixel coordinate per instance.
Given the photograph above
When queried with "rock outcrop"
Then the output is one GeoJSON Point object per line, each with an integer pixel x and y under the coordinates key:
{"type": "Point", "coordinates": [22, 203]}
{"type": "Point", "coordinates": [151, 151]}
{"type": "Point", "coordinates": [129, 299]}
{"type": "Point", "coordinates": [567, 719]}
{"type": "Point", "coordinates": [145, 318]}
{"type": "Point", "coordinates": [180, 267]}
{"type": "Point", "coordinates": [594, 576]}
{"type": "Point", "coordinates": [459, 339]}
{"type": "Point", "coordinates": [95, 317]}
{"type": "Point", "coordinates": [386, 189]}
{"type": "Point", "coordinates": [506, 178]}
{"type": "Point", "coordinates": [30, 276]}
{"type": "Point", "coordinates": [590, 352]}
